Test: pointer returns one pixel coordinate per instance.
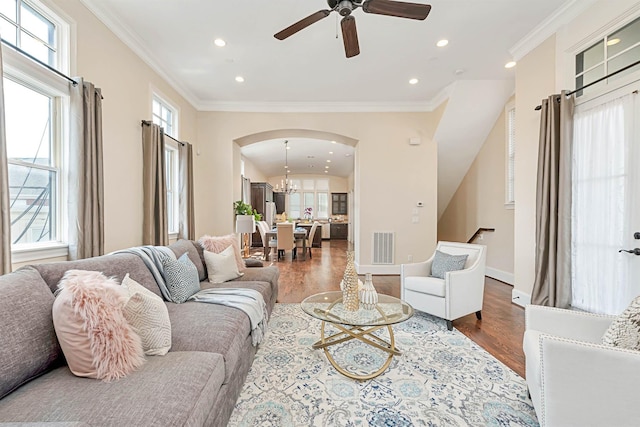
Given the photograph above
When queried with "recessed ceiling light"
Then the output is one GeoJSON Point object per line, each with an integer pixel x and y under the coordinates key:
{"type": "Point", "coordinates": [239, 79]}
{"type": "Point", "coordinates": [510, 64]}
{"type": "Point", "coordinates": [328, 161]}
{"type": "Point", "coordinates": [611, 42]}
{"type": "Point", "coordinates": [333, 142]}
{"type": "Point", "coordinates": [219, 42]}
{"type": "Point", "coordinates": [326, 167]}
{"type": "Point", "coordinates": [347, 155]}
{"type": "Point", "coordinates": [326, 171]}
{"type": "Point", "coordinates": [330, 152]}
{"type": "Point", "coordinates": [442, 43]}
{"type": "Point", "coordinates": [413, 81]}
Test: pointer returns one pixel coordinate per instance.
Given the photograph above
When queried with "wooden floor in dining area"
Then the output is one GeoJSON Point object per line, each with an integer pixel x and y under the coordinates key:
{"type": "Point", "coordinates": [499, 332]}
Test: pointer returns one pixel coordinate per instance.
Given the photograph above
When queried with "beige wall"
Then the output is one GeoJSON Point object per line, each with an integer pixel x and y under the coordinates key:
{"type": "Point", "coordinates": [390, 178]}
{"type": "Point", "coordinates": [479, 202]}
{"type": "Point", "coordinates": [253, 171]}
{"type": "Point", "coordinates": [127, 84]}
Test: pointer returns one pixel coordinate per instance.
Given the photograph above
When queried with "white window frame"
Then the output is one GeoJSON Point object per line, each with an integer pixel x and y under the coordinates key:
{"type": "Point", "coordinates": [27, 72]}
{"type": "Point", "coordinates": [510, 164]}
{"type": "Point", "coordinates": [301, 192]}
{"type": "Point", "coordinates": [171, 130]}
{"type": "Point", "coordinates": [602, 35]}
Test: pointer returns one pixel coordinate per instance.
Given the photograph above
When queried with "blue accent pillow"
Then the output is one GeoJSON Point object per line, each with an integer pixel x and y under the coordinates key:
{"type": "Point", "coordinates": [181, 277]}
{"type": "Point", "coordinates": [443, 262]}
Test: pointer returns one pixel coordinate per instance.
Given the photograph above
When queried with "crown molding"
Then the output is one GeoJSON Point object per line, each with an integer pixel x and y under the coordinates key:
{"type": "Point", "coordinates": [318, 107]}
{"type": "Point", "coordinates": [566, 13]}
{"type": "Point", "coordinates": [137, 45]}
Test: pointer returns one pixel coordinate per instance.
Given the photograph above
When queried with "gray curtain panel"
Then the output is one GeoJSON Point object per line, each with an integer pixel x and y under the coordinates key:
{"type": "Point", "coordinates": [552, 286]}
{"type": "Point", "coordinates": [186, 229]}
{"type": "Point", "coordinates": [155, 227]}
{"type": "Point", "coordinates": [5, 211]}
{"type": "Point", "coordinates": [86, 178]}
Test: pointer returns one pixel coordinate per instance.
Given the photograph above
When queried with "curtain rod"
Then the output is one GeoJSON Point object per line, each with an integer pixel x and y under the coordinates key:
{"type": "Point", "coordinates": [44, 64]}
{"type": "Point", "coordinates": [539, 107]}
{"type": "Point", "coordinates": [149, 122]}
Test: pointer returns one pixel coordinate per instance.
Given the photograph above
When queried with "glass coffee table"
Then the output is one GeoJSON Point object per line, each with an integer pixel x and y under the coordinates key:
{"type": "Point", "coordinates": [359, 325]}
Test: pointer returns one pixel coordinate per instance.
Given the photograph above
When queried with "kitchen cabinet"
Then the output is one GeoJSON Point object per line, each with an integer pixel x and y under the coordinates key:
{"type": "Point", "coordinates": [261, 194]}
{"type": "Point", "coordinates": [317, 238]}
{"type": "Point", "coordinates": [279, 198]}
{"type": "Point", "coordinates": [339, 204]}
{"type": "Point", "coordinates": [339, 231]}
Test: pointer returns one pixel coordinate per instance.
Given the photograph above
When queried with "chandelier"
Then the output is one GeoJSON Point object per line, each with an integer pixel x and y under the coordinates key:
{"type": "Point", "coordinates": [285, 185]}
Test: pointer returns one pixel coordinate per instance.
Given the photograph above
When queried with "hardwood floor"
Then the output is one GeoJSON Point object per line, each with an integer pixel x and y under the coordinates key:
{"type": "Point", "coordinates": [499, 332]}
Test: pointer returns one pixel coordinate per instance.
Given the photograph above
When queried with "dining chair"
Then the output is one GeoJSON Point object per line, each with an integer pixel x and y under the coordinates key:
{"type": "Point", "coordinates": [300, 243]}
{"type": "Point", "coordinates": [285, 239]}
{"type": "Point", "coordinates": [267, 244]}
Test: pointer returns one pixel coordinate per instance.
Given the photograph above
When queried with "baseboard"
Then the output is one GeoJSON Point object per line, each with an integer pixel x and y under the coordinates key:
{"type": "Point", "coordinates": [500, 275]}
{"type": "Point", "coordinates": [377, 269]}
{"type": "Point", "coordinates": [520, 298]}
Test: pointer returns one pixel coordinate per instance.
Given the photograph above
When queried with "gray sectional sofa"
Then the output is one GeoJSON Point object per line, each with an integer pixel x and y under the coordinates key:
{"type": "Point", "coordinates": [196, 384]}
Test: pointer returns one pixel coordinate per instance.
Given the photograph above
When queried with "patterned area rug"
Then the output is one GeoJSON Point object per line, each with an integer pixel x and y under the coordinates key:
{"type": "Point", "coordinates": [441, 379]}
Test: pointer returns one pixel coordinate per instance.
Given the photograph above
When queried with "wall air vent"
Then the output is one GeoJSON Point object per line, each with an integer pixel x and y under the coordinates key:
{"type": "Point", "coordinates": [383, 247]}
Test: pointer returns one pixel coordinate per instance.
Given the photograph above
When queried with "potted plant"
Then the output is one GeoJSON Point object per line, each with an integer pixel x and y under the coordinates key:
{"type": "Point", "coordinates": [242, 208]}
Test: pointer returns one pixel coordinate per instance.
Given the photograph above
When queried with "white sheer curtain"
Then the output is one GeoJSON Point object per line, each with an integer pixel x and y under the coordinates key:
{"type": "Point", "coordinates": [603, 190]}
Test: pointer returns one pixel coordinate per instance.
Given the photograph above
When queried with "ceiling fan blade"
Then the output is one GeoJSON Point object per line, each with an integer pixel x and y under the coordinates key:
{"type": "Point", "coordinates": [397, 8]}
{"type": "Point", "coordinates": [350, 36]}
{"type": "Point", "coordinates": [302, 24]}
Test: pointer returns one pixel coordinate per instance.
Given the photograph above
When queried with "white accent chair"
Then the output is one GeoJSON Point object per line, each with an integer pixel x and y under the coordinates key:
{"type": "Point", "coordinates": [573, 379]}
{"type": "Point", "coordinates": [460, 293]}
{"type": "Point", "coordinates": [264, 227]}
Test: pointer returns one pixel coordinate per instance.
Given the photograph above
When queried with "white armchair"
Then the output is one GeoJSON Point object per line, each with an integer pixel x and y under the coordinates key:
{"type": "Point", "coordinates": [459, 294]}
{"type": "Point", "coordinates": [573, 379]}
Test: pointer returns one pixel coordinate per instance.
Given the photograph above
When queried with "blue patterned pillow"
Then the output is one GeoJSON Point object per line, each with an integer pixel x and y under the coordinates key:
{"type": "Point", "coordinates": [443, 262]}
{"type": "Point", "coordinates": [181, 277]}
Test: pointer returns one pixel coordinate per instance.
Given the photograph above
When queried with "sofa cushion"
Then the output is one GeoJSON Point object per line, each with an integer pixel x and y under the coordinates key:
{"type": "Point", "coordinates": [218, 244]}
{"type": "Point", "coordinates": [28, 341]}
{"type": "Point", "coordinates": [183, 246]}
{"type": "Point", "coordinates": [425, 285]}
{"type": "Point", "coordinates": [147, 314]}
{"type": "Point", "coordinates": [269, 274]}
{"type": "Point", "coordinates": [181, 278]}
{"type": "Point", "coordinates": [443, 263]}
{"type": "Point", "coordinates": [198, 326]}
{"type": "Point", "coordinates": [178, 389]}
{"type": "Point", "coordinates": [115, 265]}
{"type": "Point", "coordinates": [93, 332]}
{"type": "Point", "coordinates": [221, 267]}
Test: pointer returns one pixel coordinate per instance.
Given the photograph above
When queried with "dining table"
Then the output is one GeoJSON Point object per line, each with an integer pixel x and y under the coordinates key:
{"type": "Point", "coordinates": [298, 233]}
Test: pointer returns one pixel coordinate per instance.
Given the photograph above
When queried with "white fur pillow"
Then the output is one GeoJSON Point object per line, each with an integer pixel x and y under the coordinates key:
{"type": "Point", "coordinates": [149, 317]}
{"type": "Point", "coordinates": [93, 333]}
{"type": "Point", "coordinates": [221, 267]}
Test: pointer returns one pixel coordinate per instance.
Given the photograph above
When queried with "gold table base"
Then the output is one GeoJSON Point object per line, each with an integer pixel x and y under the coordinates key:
{"type": "Point", "coordinates": [362, 334]}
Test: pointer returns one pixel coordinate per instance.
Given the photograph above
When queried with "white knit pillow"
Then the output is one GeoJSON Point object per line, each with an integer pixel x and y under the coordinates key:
{"type": "Point", "coordinates": [221, 267]}
{"type": "Point", "coordinates": [624, 331]}
{"type": "Point", "coordinates": [148, 316]}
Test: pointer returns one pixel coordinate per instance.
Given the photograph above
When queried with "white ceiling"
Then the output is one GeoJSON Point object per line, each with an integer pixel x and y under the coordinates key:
{"type": "Point", "coordinates": [310, 66]}
{"type": "Point", "coordinates": [305, 156]}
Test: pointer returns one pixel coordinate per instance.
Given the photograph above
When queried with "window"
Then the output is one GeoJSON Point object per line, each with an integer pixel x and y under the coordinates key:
{"type": "Point", "coordinates": [165, 116]}
{"type": "Point", "coordinates": [510, 156]}
{"type": "Point", "coordinates": [171, 171]}
{"type": "Point", "coordinates": [314, 195]}
{"type": "Point", "coordinates": [616, 51]}
{"type": "Point", "coordinates": [36, 112]}
{"type": "Point", "coordinates": [33, 28]}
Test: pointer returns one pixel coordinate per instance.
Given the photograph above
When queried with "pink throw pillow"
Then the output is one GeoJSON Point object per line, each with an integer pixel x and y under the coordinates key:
{"type": "Point", "coordinates": [217, 244]}
{"type": "Point", "coordinates": [94, 335]}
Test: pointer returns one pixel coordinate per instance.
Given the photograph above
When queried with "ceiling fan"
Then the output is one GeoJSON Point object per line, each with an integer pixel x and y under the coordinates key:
{"type": "Point", "coordinates": [348, 23]}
